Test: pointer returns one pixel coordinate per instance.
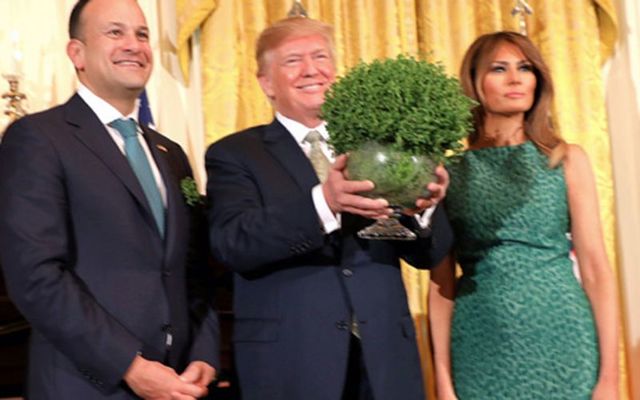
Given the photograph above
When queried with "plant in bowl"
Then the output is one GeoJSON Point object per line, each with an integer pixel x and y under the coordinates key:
{"type": "Point", "coordinates": [397, 118]}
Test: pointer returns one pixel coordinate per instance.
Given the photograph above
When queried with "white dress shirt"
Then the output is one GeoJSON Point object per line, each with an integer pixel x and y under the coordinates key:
{"type": "Point", "coordinates": [106, 114]}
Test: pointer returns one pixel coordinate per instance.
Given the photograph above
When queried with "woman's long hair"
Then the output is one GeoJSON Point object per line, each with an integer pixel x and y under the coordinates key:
{"type": "Point", "coordinates": [537, 120]}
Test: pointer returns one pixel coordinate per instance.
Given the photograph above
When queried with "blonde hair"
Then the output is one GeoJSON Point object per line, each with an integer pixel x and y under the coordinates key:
{"type": "Point", "coordinates": [290, 28]}
{"type": "Point", "coordinates": [537, 124]}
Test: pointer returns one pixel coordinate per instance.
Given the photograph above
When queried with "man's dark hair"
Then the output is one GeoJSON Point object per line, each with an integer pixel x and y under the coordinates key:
{"type": "Point", "coordinates": [74, 19]}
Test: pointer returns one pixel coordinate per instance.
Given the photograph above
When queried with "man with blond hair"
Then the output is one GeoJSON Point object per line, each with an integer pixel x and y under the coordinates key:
{"type": "Point", "coordinates": [319, 313]}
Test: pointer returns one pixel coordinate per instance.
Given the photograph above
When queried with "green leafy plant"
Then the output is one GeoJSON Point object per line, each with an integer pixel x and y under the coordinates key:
{"type": "Point", "coordinates": [190, 192]}
{"type": "Point", "coordinates": [407, 104]}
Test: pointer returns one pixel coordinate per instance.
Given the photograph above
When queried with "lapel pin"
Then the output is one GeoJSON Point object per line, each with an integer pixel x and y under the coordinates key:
{"type": "Point", "coordinates": [162, 148]}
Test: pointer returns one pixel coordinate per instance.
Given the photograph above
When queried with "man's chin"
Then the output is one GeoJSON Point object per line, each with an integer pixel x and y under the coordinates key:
{"type": "Point", "coordinates": [135, 88]}
{"type": "Point", "coordinates": [135, 83]}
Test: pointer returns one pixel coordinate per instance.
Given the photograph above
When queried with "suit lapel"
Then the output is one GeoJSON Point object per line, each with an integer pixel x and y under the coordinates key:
{"type": "Point", "coordinates": [90, 131]}
{"type": "Point", "coordinates": [174, 197]}
{"type": "Point", "coordinates": [287, 152]}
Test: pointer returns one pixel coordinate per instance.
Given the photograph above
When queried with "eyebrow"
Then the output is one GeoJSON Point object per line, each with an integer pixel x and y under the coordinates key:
{"type": "Point", "coordinates": [121, 25]}
{"type": "Point", "coordinates": [302, 52]}
{"type": "Point", "coordinates": [520, 62]}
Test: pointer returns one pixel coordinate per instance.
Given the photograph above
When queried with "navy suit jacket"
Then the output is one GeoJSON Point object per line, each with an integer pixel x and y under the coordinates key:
{"type": "Point", "coordinates": [84, 261]}
{"type": "Point", "coordinates": [296, 287]}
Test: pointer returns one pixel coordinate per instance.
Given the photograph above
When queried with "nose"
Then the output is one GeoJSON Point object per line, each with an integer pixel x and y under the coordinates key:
{"type": "Point", "coordinates": [131, 42]}
{"type": "Point", "coordinates": [514, 76]}
{"type": "Point", "coordinates": [309, 67]}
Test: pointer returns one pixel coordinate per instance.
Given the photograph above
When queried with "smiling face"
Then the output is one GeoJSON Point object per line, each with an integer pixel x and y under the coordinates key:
{"type": "Point", "coordinates": [296, 77]}
{"type": "Point", "coordinates": [509, 83]}
{"type": "Point", "coordinates": [112, 55]}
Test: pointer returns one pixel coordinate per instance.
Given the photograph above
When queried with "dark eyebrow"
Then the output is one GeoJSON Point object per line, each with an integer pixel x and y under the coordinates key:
{"type": "Point", "coordinates": [121, 25]}
{"type": "Point", "coordinates": [525, 61]}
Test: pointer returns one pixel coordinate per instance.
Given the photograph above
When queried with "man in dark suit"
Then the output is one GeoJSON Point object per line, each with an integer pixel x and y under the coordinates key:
{"type": "Point", "coordinates": [319, 313]}
{"type": "Point", "coordinates": [97, 242]}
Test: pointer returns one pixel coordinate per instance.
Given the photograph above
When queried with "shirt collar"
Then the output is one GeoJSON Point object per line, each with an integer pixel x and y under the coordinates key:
{"type": "Point", "coordinates": [106, 112]}
{"type": "Point", "coordinates": [299, 131]}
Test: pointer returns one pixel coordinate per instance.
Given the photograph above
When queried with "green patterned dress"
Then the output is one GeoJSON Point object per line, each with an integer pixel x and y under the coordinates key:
{"type": "Point", "coordinates": [522, 325]}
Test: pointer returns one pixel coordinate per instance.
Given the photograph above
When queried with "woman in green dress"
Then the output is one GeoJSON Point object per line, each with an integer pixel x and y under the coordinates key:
{"type": "Point", "coordinates": [517, 324]}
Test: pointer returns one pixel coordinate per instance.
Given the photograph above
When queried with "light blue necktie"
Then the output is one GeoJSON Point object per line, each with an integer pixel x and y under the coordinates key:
{"type": "Point", "coordinates": [140, 165]}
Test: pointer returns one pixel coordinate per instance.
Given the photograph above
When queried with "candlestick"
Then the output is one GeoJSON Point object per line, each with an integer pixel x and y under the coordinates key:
{"type": "Point", "coordinates": [297, 10]}
{"type": "Point", "coordinates": [14, 108]}
{"type": "Point", "coordinates": [522, 9]}
{"type": "Point", "coordinates": [15, 67]}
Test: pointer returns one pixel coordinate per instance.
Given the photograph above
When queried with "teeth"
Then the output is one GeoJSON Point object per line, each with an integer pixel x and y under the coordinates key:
{"type": "Point", "coordinates": [313, 85]}
{"type": "Point", "coordinates": [130, 63]}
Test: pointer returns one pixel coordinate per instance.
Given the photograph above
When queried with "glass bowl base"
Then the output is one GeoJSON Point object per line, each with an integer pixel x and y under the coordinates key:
{"type": "Point", "coordinates": [387, 229]}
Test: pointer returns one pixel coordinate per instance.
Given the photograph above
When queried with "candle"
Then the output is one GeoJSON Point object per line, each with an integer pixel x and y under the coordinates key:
{"type": "Point", "coordinates": [15, 67]}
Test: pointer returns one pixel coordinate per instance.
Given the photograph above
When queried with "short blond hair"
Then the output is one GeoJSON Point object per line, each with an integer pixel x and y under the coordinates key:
{"type": "Point", "coordinates": [290, 28]}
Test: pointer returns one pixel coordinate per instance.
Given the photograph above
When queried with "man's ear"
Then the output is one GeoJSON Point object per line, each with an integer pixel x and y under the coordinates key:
{"type": "Point", "coordinates": [266, 84]}
{"type": "Point", "coordinates": [75, 52]}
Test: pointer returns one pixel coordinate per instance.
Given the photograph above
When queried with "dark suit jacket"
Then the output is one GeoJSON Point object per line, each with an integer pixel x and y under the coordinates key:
{"type": "Point", "coordinates": [84, 261]}
{"type": "Point", "coordinates": [295, 286]}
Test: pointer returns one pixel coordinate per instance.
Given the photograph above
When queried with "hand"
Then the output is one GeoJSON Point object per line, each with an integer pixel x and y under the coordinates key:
{"type": "Point", "coordinates": [152, 380]}
{"type": "Point", "coordinates": [606, 389]}
{"type": "Point", "coordinates": [199, 373]}
{"type": "Point", "coordinates": [438, 190]}
{"type": "Point", "coordinates": [340, 194]}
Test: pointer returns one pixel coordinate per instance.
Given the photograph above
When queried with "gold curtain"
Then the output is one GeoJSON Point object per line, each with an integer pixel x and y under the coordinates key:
{"type": "Point", "coordinates": [191, 15]}
{"type": "Point", "coordinates": [574, 36]}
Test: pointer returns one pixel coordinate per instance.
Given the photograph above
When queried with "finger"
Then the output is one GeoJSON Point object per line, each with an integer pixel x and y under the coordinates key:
{"type": "Point", "coordinates": [363, 203]}
{"type": "Point", "coordinates": [442, 174]}
{"type": "Point", "coordinates": [436, 191]}
{"type": "Point", "coordinates": [207, 376]}
{"type": "Point", "coordinates": [366, 213]}
{"type": "Point", "coordinates": [356, 186]}
{"type": "Point", "coordinates": [340, 163]}
{"type": "Point", "coordinates": [423, 204]}
{"type": "Point", "coordinates": [192, 373]}
{"type": "Point", "coordinates": [381, 213]}
{"type": "Point", "coordinates": [190, 389]}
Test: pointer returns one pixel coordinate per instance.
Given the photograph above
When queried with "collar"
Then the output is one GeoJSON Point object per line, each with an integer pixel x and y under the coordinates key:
{"type": "Point", "coordinates": [299, 131]}
{"type": "Point", "coordinates": [106, 112]}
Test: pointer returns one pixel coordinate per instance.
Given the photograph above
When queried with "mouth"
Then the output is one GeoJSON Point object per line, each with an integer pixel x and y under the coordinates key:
{"type": "Point", "coordinates": [311, 87]}
{"type": "Point", "coordinates": [514, 95]}
{"type": "Point", "coordinates": [129, 63]}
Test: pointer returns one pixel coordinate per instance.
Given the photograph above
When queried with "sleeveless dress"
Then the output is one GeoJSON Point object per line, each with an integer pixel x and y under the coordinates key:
{"type": "Point", "coordinates": [522, 325]}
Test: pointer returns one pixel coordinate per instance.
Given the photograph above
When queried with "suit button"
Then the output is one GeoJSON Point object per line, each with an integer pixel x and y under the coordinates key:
{"type": "Point", "coordinates": [347, 272]}
{"type": "Point", "coordinates": [343, 326]}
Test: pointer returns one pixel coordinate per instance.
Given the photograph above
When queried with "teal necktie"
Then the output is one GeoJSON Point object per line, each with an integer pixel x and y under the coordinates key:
{"type": "Point", "coordinates": [140, 165]}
